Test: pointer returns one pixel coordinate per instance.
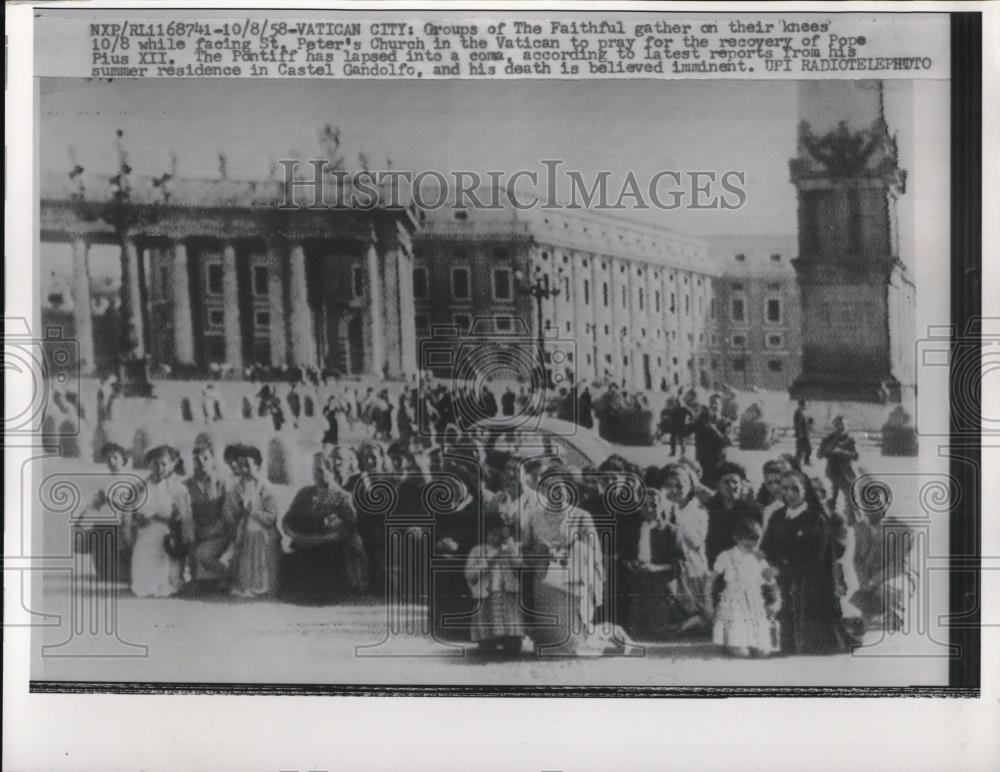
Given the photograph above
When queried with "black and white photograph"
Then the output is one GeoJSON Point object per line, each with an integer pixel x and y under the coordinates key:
{"type": "Point", "coordinates": [586, 379]}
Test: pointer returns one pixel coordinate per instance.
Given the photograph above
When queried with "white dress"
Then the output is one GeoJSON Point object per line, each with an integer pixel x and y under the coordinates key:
{"type": "Point", "coordinates": [741, 617]}
{"type": "Point", "coordinates": [154, 573]}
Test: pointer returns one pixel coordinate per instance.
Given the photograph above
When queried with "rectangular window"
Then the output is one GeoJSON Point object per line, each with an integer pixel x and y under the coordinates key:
{"type": "Point", "coordinates": [673, 303]}
{"type": "Point", "coordinates": [624, 297]}
{"type": "Point", "coordinates": [656, 300]}
{"type": "Point", "coordinates": [739, 365]}
{"type": "Point", "coordinates": [586, 292]}
{"type": "Point", "coordinates": [262, 320]}
{"type": "Point", "coordinates": [420, 283]}
{"type": "Point", "coordinates": [216, 318]}
{"type": "Point", "coordinates": [740, 257]}
{"type": "Point", "coordinates": [739, 341]}
{"type": "Point", "coordinates": [421, 322]}
{"type": "Point", "coordinates": [164, 281]}
{"type": "Point", "coordinates": [775, 258]}
{"type": "Point", "coordinates": [738, 310]}
{"type": "Point", "coordinates": [215, 278]}
{"type": "Point", "coordinates": [463, 322]}
{"type": "Point", "coordinates": [260, 281]}
{"type": "Point", "coordinates": [357, 281]}
{"type": "Point", "coordinates": [711, 308]}
{"type": "Point", "coordinates": [774, 310]}
{"type": "Point", "coordinates": [501, 284]}
{"type": "Point", "coordinates": [687, 305]}
{"type": "Point", "coordinates": [775, 341]}
{"type": "Point", "coordinates": [605, 294]}
{"type": "Point", "coordinates": [775, 365]}
{"type": "Point", "coordinates": [642, 299]}
{"type": "Point", "coordinates": [460, 283]}
{"type": "Point", "coordinates": [504, 324]}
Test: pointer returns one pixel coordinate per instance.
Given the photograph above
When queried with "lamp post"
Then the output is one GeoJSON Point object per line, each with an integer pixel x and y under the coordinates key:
{"type": "Point", "coordinates": [540, 290]}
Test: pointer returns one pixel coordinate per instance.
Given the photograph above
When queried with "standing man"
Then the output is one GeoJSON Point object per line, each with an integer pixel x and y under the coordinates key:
{"type": "Point", "coordinates": [711, 438]}
{"type": "Point", "coordinates": [294, 404]}
{"type": "Point", "coordinates": [488, 401]}
{"type": "Point", "coordinates": [840, 452]}
{"type": "Point", "coordinates": [680, 424]}
{"type": "Point", "coordinates": [507, 400]}
{"type": "Point", "coordinates": [803, 447]}
{"type": "Point", "coordinates": [585, 409]}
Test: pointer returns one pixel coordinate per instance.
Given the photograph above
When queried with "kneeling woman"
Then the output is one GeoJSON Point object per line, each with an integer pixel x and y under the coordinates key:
{"type": "Point", "coordinates": [163, 524]}
{"type": "Point", "coordinates": [251, 510]}
{"type": "Point", "coordinates": [798, 542]}
{"type": "Point", "coordinates": [562, 544]}
{"type": "Point", "coordinates": [328, 556]}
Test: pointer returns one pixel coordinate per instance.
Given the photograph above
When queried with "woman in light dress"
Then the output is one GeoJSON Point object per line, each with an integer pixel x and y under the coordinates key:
{"type": "Point", "coordinates": [561, 542]}
{"type": "Point", "coordinates": [251, 509]}
{"type": "Point", "coordinates": [691, 586]}
{"type": "Point", "coordinates": [213, 534]}
{"type": "Point", "coordinates": [155, 572]}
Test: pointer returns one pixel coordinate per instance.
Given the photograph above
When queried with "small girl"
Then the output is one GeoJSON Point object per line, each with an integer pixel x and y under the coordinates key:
{"type": "Point", "coordinates": [491, 572]}
{"type": "Point", "coordinates": [744, 618]}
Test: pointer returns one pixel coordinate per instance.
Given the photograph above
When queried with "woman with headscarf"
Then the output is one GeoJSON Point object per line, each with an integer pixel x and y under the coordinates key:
{"type": "Point", "coordinates": [561, 541]}
{"type": "Point", "coordinates": [163, 522]}
{"type": "Point", "coordinates": [798, 543]}
{"type": "Point", "coordinates": [327, 554]}
{"type": "Point", "coordinates": [212, 533]}
{"type": "Point", "coordinates": [251, 510]}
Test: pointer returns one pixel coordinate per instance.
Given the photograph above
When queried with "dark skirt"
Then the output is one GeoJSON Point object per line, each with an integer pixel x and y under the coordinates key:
{"type": "Point", "coordinates": [322, 574]}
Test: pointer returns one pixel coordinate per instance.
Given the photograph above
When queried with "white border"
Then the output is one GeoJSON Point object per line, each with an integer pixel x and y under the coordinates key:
{"type": "Point", "coordinates": [49, 732]}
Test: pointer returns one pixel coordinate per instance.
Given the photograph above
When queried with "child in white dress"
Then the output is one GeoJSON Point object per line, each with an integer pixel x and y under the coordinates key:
{"type": "Point", "coordinates": [492, 576]}
{"type": "Point", "coordinates": [744, 618]}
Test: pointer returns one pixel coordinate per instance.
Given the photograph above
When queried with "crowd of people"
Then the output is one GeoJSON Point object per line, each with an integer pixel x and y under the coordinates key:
{"type": "Point", "coordinates": [614, 554]}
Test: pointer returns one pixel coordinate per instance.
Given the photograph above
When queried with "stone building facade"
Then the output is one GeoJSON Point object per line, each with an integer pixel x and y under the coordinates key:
{"type": "Point", "coordinates": [634, 302]}
{"type": "Point", "coordinates": [758, 341]}
{"type": "Point", "coordinates": [215, 272]}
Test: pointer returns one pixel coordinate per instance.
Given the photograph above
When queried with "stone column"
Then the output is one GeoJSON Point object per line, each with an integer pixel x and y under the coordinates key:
{"type": "Point", "coordinates": [183, 328]}
{"type": "Point", "coordinates": [81, 306]}
{"type": "Point", "coordinates": [231, 309]}
{"type": "Point", "coordinates": [131, 298]}
{"type": "Point", "coordinates": [303, 341]}
{"type": "Point", "coordinates": [376, 344]}
{"type": "Point", "coordinates": [407, 315]}
{"type": "Point", "coordinates": [390, 305]}
{"type": "Point", "coordinates": [276, 305]}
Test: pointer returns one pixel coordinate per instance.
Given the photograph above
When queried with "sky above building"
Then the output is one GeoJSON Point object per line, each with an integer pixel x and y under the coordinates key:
{"type": "Point", "coordinates": [620, 126]}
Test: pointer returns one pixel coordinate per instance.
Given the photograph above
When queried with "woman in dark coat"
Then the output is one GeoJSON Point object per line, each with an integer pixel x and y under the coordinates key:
{"type": "Point", "coordinates": [799, 543]}
{"type": "Point", "coordinates": [328, 558]}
